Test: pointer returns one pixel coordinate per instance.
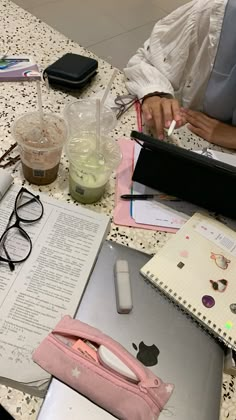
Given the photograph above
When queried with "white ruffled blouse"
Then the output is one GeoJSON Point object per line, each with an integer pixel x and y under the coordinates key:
{"type": "Point", "coordinates": [179, 55]}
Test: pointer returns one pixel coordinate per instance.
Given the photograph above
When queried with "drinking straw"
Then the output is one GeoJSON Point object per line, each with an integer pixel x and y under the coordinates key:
{"type": "Point", "coordinates": [108, 87]}
{"type": "Point", "coordinates": [98, 125]}
{"type": "Point", "coordinates": [40, 106]}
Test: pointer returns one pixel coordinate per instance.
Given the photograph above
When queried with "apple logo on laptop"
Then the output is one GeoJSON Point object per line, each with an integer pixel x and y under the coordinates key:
{"type": "Point", "coordinates": [148, 355]}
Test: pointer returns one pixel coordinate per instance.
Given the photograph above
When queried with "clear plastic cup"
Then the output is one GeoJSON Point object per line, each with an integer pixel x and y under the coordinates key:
{"type": "Point", "coordinates": [81, 117]}
{"type": "Point", "coordinates": [89, 170]}
{"type": "Point", "coordinates": [40, 150]}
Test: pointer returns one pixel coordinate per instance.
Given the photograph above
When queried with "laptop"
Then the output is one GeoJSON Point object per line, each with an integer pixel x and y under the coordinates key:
{"type": "Point", "coordinates": [184, 354]}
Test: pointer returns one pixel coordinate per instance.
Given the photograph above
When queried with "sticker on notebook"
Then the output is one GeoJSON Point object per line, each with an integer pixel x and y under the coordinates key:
{"type": "Point", "coordinates": [219, 285]}
{"type": "Point", "coordinates": [216, 236]}
{"type": "Point", "coordinates": [184, 253]}
{"type": "Point", "coordinates": [208, 301]}
{"type": "Point", "coordinates": [233, 308]}
{"type": "Point", "coordinates": [180, 264]}
{"type": "Point", "coordinates": [221, 261]}
{"type": "Point", "coordinates": [229, 325]}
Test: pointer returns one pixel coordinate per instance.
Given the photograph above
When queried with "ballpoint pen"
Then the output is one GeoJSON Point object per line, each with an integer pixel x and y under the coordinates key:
{"type": "Point", "coordinates": [163, 197]}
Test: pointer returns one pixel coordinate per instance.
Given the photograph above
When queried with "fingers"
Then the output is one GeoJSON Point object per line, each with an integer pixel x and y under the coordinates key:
{"type": "Point", "coordinates": [198, 131]}
{"type": "Point", "coordinates": [146, 111]}
{"type": "Point", "coordinates": [197, 119]}
{"type": "Point", "coordinates": [158, 121]}
{"type": "Point", "coordinates": [182, 122]}
{"type": "Point", "coordinates": [198, 123]}
{"type": "Point", "coordinates": [201, 125]}
{"type": "Point", "coordinates": [160, 112]}
{"type": "Point", "coordinates": [176, 111]}
{"type": "Point", "coordinates": [167, 112]}
{"type": "Point", "coordinates": [153, 115]}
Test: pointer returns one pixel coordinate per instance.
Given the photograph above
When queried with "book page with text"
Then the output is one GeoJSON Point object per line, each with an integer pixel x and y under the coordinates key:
{"type": "Point", "coordinates": [49, 284]}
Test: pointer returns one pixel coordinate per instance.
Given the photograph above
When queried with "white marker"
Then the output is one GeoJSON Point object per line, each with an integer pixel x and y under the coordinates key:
{"type": "Point", "coordinates": [171, 128]}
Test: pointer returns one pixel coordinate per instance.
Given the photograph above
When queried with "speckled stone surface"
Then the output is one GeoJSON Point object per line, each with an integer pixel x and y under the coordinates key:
{"type": "Point", "coordinates": [22, 33]}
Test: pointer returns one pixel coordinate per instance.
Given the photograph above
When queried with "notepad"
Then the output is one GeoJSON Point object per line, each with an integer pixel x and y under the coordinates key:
{"type": "Point", "coordinates": [197, 270]}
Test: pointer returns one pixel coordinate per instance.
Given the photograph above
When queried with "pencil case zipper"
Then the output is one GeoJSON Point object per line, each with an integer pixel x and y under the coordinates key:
{"type": "Point", "coordinates": [143, 385]}
{"type": "Point", "coordinates": [75, 82]}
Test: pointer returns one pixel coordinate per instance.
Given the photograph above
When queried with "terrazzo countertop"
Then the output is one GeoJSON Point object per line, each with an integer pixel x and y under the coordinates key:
{"type": "Point", "coordinates": [22, 33]}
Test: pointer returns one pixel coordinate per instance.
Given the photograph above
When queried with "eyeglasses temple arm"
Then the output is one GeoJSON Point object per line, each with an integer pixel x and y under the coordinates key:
{"type": "Point", "coordinates": [8, 151]}
{"type": "Point", "coordinates": [10, 263]}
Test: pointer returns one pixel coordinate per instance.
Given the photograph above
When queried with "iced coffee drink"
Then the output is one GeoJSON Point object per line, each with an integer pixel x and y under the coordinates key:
{"type": "Point", "coordinates": [40, 146]}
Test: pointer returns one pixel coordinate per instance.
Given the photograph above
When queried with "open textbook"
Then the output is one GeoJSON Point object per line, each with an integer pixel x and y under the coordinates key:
{"type": "Point", "coordinates": [48, 285]}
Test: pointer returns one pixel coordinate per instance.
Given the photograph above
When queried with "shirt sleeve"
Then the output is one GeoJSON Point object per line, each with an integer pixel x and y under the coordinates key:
{"type": "Point", "coordinates": [160, 63]}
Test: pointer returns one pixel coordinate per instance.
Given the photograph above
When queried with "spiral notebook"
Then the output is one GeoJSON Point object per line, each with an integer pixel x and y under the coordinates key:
{"type": "Point", "coordinates": [197, 270]}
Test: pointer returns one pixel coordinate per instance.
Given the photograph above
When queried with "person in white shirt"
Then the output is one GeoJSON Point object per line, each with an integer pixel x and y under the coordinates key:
{"type": "Point", "coordinates": [185, 71]}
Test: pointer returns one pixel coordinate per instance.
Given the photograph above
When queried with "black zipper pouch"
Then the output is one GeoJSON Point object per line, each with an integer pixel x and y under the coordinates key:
{"type": "Point", "coordinates": [72, 71]}
{"type": "Point", "coordinates": [182, 173]}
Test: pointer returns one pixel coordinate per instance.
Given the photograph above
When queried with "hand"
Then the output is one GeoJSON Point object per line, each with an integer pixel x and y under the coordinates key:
{"type": "Point", "coordinates": [210, 129]}
{"type": "Point", "coordinates": [159, 112]}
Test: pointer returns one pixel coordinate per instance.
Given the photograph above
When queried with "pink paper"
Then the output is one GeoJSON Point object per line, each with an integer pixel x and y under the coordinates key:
{"type": "Point", "coordinates": [123, 186]}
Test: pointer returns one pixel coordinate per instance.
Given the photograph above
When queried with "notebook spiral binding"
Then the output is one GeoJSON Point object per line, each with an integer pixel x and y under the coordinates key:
{"type": "Point", "coordinates": [206, 325]}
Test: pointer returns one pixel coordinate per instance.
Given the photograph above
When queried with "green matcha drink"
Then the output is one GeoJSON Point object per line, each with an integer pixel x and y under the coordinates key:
{"type": "Point", "coordinates": [89, 170]}
{"type": "Point", "coordinates": [87, 179]}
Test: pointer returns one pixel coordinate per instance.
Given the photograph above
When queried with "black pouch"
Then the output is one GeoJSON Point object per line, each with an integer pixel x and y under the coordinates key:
{"type": "Point", "coordinates": [72, 71]}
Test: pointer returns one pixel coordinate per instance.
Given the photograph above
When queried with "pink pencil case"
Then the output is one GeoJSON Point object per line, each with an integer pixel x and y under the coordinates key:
{"type": "Point", "coordinates": [143, 400]}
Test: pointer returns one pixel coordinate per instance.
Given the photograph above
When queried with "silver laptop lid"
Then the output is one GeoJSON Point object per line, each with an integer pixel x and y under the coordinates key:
{"type": "Point", "coordinates": [156, 331]}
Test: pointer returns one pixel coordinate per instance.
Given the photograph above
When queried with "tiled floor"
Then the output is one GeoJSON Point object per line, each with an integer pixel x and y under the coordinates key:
{"type": "Point", "coordinates": [112, 29]}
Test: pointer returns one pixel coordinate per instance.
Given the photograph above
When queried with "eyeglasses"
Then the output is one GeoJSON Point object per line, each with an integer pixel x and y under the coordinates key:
{"type": "Point", "coordinates": [206, 152]}
{"type": "Point", "coordinates": [15, 243]}
{"type": "Point", "coordinates": [124, 103]}
{"type": "Point", "coordinates": [10, 160]}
